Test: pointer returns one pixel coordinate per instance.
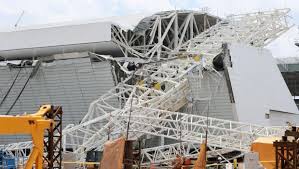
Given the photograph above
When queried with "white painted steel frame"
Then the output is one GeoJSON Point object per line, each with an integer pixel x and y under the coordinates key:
{"type": "Point", "coordinates": [153, 111]}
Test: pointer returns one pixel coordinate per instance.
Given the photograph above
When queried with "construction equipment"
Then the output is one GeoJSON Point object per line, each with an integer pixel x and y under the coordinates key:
{"type": "Point", "coordinates": [266, 152]}
{"type": "Point", "coordinates": [149, 110]}
{"type": "Point", "coordinates": [276, 152]}
{"type": "Point", "coordinates": [33, 124]}
{"type": "Point", "coordinates": [201, 160]}
{"type": "Point", "coordinates": [287, 150]}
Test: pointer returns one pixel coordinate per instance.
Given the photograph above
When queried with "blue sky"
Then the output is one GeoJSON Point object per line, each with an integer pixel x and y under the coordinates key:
{"type": "Point", "coordinates": [51, 11]}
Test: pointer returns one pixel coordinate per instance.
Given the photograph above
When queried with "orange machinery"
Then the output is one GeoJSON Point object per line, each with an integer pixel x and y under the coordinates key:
{"type": "Point", "coordinates": [264, 146]}
{"type": "Point", "coordinates": [33, 124]}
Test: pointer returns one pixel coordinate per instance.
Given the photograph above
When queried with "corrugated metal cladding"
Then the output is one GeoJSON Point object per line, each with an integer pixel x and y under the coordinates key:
{"type": "Point", "coordinates": [211, 86]}
{"type": "Point", "coordinates": [71, 83]}
{"type": "Point", "coordinates": [203, 88]}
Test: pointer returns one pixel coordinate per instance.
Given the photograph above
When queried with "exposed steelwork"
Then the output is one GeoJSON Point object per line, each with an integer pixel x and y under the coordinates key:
{"type": "Point", "coordinates": [162, 35]}
{"type": "Point", "coordinates": [53, 141]}
{"type": "Point", "coordinates": [169, 46]}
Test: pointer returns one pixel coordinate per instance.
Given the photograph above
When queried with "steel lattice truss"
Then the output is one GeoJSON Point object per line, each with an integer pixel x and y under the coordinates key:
{"type": "Point", "coordinates": [153, 110]}
{"type": "Point", "coordinates": [106, 114]}
{"type": "Point", "coordinates": [161, 35]}
{"type": "Point", "coordinates": [256, 29]}
{"type": "Point", "coordinates": [167, 153]}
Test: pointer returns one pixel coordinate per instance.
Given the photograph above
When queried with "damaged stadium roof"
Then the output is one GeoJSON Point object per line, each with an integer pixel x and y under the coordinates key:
{"type": "Point", "coordinates": [170, 63]}
{"type": "Point", "coordinates": [48, 38]}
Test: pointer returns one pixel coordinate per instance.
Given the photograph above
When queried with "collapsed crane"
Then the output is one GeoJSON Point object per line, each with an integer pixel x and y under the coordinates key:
{"type": "Point", "coordinates": [152, 111]}
{"type": "Point", "coordinates": [149, 99]}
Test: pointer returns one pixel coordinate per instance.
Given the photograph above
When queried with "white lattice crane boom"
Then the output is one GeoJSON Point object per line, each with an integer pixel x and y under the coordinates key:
{"type": "Point", "coordinates": [153, 109]}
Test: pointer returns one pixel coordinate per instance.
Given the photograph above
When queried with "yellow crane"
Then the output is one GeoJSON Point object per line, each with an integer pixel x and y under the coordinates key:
{"type": "Point", "coordinates": [33, 124]}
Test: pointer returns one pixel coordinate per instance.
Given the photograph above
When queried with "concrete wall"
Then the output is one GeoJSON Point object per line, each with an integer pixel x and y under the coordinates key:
{"type": "Point", "coordinates": [257, 84]}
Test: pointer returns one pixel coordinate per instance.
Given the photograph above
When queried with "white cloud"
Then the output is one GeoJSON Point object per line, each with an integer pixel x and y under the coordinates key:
{"type": "Point", "coordinates": [226, 7]}
{"type": "Point", "coordinates": [37, 11]}
{"type": "Point", "coordinates": [48, 11]}
{"type": "Point", "coordinates": [145, 5]}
